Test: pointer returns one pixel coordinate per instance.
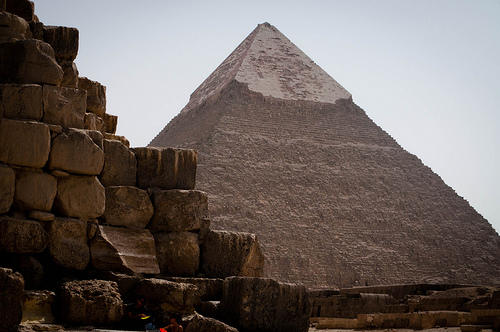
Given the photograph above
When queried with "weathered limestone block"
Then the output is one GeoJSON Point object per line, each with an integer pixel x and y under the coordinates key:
{"type": "Point", "coordinates": [80, 197]}
{"type": "Point", "coordinates": [257, 304]}
{"type": "Point", "coordinates": [170, 296]}
{"type": "Point", "coordinates": [12, 27]}
{"type": "Point", "coordinates": [24, 143]}
{"type": "Point", "coordinates": [124, 250]}
{"type": "Point", "coordinates": [127, 283]}
{"type": "Point", "coordinates": [22, 8]}
{"type": "Point", "coordinates": [68, 243]}
{"type": "Point", "coordinates": [91, 302]}
{"type": "Point", "coordinates": [210, 289]}
{"type": "Point", "coordinates": [35, 190]}
{"type": "Point", "coordinates": [11, 294]}
{"type": "Point", "coordinates": [205, 324]}
{"type": "Point", "coordinates": [36, 30]}
{"type": "Point", "coordinates": [113, 137]}
{"type": "Point", "coordinates": [64, 106]}
{"type": "Point", "coordinates": [120, 165]}
{"type": "Point", "coordinates": [7, 188]}
{"type": "Point", "coordinates": [29, 61]}
{"type": "Point", "coordinates": [128, 207]}
{"type": "Point", "coordinates": [64, 41]}
{"type": "Point", "coordinates": [21, 101]}
{"type": "Point", "coordinates": [178, 253]}
{"type": "Point", "coordinates": [70, 73]}
{"type": "Point", "coordinates": [74, 151]}
{"type": "Point", "coordinates": [97, 137]}
{"type": "Point", "coordinates": [166, 168]}
{"type": "Point", "coordinates": [180, 210]}
{"type": "Point", "coordinates": [37, 307]}
{"type": "Point", "coordinates": [93, 122]}
{"type": "Point", "coordinates": [110, 122]}
{"type": "Point", "coordinates": [41, 215]}
{"type": "Point", "coordinates": [22, 236]}
{"type": "Point", "coordinates": [227, 254]}
{"type": "Point", "coordinates": [96, 95]}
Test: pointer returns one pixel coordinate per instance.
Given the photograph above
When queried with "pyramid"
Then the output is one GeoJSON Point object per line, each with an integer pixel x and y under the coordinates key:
{"type": "Point", "coordinates": [285, 153]}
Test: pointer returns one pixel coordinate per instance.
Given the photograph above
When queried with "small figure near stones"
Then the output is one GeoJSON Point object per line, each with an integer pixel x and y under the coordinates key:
{"type": "Point", "coordinates": [174, 326]}
{"type": "Point", "coordinates": [138, 317]}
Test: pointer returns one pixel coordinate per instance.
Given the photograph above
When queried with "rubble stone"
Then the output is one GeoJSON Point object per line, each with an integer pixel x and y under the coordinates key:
{"type": "Point", "coordinates": [22, 236]}
{"type": "Point", "coordinates": [24, 143]}
{"type": "Point", "coordinates": [180, 210]}
{"type": "Point", "coordinates": [205, 324]}
{"type": "Point", "coordinates": [21, 101]}
{"type": "Point", "coordinates": [64, 106]}
{"type": "Point", "coordinates": [41, 215]}
{"type": "Point", "coordinates": [122, 139]}
{"type": "Point", "coordinates": [7, 188]}
{"type": "Point", "coordinates": [120, 165]}
{"type": "Point", "coordinates": [12, 27]}
{"type": "Point", "coordinates": [34, 190]}
{"type": "Point", "coordinates": [68, 243]}
{"type": "Point", "coordinates": [166, 168]}
{"type": "Point", "coordinates": [64, 41]}
{"type": "Point", "coordinates": [111, 122]}
{"type": "Point", "coordinates": [128, 207]}
{"type": "Point", "coordinates": [11, 294]}
{"type": "Point", "coordinates": [37, 307]}
{"type": "Point", "coordinates": [70, 73]}
{"type": "Point", "coordinates": [124, 250]}
{"type": "Point", "coordinates": [227, 254]}
{"type": "Point", "coordinates": [178, 253]}
{"type": "Point", "coordinates": [96, 95]}
{"type": "Point", "coordinates": [80, 197]}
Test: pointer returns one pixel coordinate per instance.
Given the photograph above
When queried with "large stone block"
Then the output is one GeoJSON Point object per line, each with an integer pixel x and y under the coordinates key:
{"type": "Point", "coordinates": [22, 8]}
{"type": "Point", "coordinates": [178, 253]}
{"type": "Point", "coordinates": [205, 324]}
{"type": "Point", "coordinates": [64, 41]}
{"type": "Point", "coordinates": [64, 106]}
{"type": "Point", "coordinates": [110, 123]}
{"type": "Point", "coordinates": [24, 143]}
{"type": "Point", "coordinates": [22, 236]}
{"type": "Point", "coordinates": [180, 210]}
{"type": "Point", "coordinates": [68, 243]}
{"type": "Point", "coordinates": [7, 188]}
{"type": "Point", "coordinates": [29, 61]}
{"type": "Point", "coordinates": [80, 197]}
{"type": "Point", "coordinates": [91, 302]}
{"type": "Point", "coordinates": [76, 152]}
{"type": "Point", "coordinates": [96, 95]}
{"type": "Point", "coordinates": [264, 305]}
{"type": "Point", "coordinates": [12, 27]}
{"type": "Point", "coordinates": [93, 122]}
{"type": "Point", "coordinates": [21, 101]}
{"type": "Point", "coordinates": [124, 250]}
{"type": "Point", "coordinates": [35, 190]}
{"type": "Point", "coordinates": [70, 73]}
{"type": "Point", "coordinates": [37, 307]}
{"type": "Point", "coordinates": [120, 165]}
{"type": "Point", "coordinates": [11, 295]}
{"type": "Point", "coordinates": [210, 289]}
{"type": "Point", "coordinates": [128, 207]}
{"type": "Point", "coordinates": [166, 168]}
{"type": "Point", "coordinates": [227, 254]}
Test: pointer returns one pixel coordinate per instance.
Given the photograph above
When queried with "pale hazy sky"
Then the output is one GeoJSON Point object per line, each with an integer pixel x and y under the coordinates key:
{"type": "Point", "coordinates": [426, 71]}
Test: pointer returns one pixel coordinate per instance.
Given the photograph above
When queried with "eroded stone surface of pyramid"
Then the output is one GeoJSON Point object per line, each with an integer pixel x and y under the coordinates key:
{"type": "Point", "coordinates": [285, 153]}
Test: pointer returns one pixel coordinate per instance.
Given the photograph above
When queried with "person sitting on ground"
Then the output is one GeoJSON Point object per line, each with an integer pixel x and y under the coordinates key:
{"type": "Point", "coordinates": [138, 317]}
{"type": "Point", "coordinates": [174, 326]}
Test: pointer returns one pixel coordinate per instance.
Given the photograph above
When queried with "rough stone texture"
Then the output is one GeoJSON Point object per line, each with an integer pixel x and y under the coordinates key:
{"type": "Point", "coordinates": [93, 122]}
{"type": "Point", "coordinates": [37, 307]}
{"type": "Point", "coordinates": [63, 40]}
{"type": "Point", "coordinates": [111, 122]}
{"type": "Point", "coordinates": [91, 302]}
{"type": "Point", "coordinates": [30, 268]}
{"type": "Point", "coordinates": [22, 8]}
{"type": "Point", "coordinates": [41, 215]}
{"type": "Point", "coordinates": [180, 210]}
{"type": "Point", "coordinates": [64, 106]}
{"type": "Point", "coordinates": [210, 289]}
{"type": "Point", "coordinates": [127, 207]}
{"type": "Point", "coordinates": [11, 294]}
{"type": "Point", "coordinates": [29, 61]}
{"type": "Point", "coordinates": [120, 165]}
{"type": "Point", "coordinates": [7, 188]}
{"type": "Point", "coordinates": [96, 95]}
{"type": "Point", "coordinates": [113, 137]}
{"type": "Point", "coordinates": [205, 324]}
{"type": "Point", "coordinates": [70, 73]}
{"type": "Point", "coordinates": [74, 151]}
{"type": "Point", "coordinates": [166, 168]}
{"type": "Point", "coordinates": [24, 143]}
{"type": "Point", "coordinates": [22, 236]}
{"type": "Point", "coordinates": [257, 304]}
{"type": "Point", "coordinates": [127, 284]}
{"type": "Point", "coordinates": [68, 243]}
{"type": "Point", "coordinates": [227, 254]}
{"type": "Point", "coordinates": [36, 30]}
{"type": "Point", "coordinates": [346, 202]}
{"type": "Point", "coordinates": [178, 253]}
{"type": "Point", "coordinates": [21, 101]}
{"type": "Point", "coordinates": [80, 197]}
{"type": "Point", "coordinates": [12, 27]}
{"type": "Point", "coordinates": [124, 250]}
{"type": "Point", "coordinates": [34, 190]}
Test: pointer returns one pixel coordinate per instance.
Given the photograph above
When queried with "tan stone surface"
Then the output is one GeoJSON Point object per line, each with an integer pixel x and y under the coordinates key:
{"type": "Point", "coordinates": [22, 236]}
{"type": "Point", "coordinates": [68, 246]}
{"type": "Point", "coordinates": [35, 190]}
{"type": "Point", "coordinates": [70, 73]}
{"type": "Point", "coordinates": [124, 250]}
{"type": "Point", "coordinates": [127, 206]}
{"type": "Point", "coordinates": [41, 215]}
{"type": "Point", "coordinates": [64, 41]}
{"type": "Point", "coordinates": [111, 122]}
{"type": "Point", "coordinates": [37, 307]}
{"type": "Point", "coordinates": [7, 188]}
{"type": "Point", "coordinates": [24, 143]}
{"type": "Point", "coordinates": [206, 324]}
{"type": "Point", "coordinates": [96, 95]}
{"type": "Point", "coordinates": [80, 197]}
{"type": "Point", "coordinates": [21, 101]}
{"type": "Point", "coordinates": [178, 253]}
{"type": "Point", "coordinates": [120, 165]}
{"type": "Point", "coordinates": [74, 151]}
{"type": "Point", "coordinates": [113, 137]}
{"type": "Point", "coordinates": [93, 122]}
{"type": "Point", "coordinates": [64, 106]}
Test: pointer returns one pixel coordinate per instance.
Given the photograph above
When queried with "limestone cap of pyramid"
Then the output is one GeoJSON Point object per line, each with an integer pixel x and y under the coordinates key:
{"type": "Point", "coordinates": [272, 65]}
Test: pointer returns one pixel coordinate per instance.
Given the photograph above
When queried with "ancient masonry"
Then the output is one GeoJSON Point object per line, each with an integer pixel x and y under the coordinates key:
{"type": "Point", "coordinates": [87, 224]}
{"type": "Point", "coordinates": [334, 200]}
